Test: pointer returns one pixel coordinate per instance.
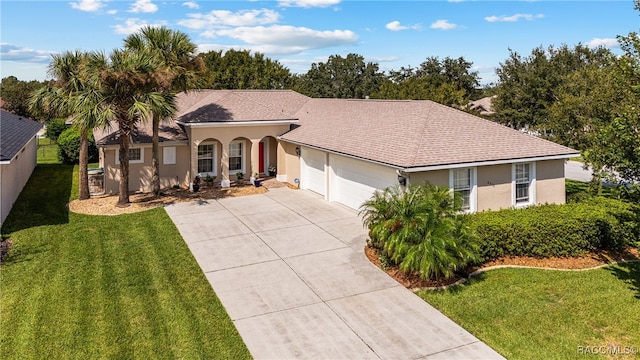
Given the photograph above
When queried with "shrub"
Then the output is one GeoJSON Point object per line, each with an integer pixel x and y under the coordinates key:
{"type": "Point", "coordinates": [69, 147]}
{"type": "Point", "coordinates": [420, 229]}
{"type": "Point", "coordinates": [557, 230]}
{"type": "Point", "coordinates": [55, 127]}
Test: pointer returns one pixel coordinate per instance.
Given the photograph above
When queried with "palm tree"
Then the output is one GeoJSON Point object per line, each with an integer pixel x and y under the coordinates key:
{"type": "Point", "coordinates": [72, 94]}
{"type": "Point", "coordinates": [178, 66]}
{"type": "Point", "coordinates": [127, 95]}
{"type": "Point", "coordinates": [420, 228]}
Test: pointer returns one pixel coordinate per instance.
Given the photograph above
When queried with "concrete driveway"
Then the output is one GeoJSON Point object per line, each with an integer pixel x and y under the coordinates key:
{"type": "Point", "coordinates": [291, 272]}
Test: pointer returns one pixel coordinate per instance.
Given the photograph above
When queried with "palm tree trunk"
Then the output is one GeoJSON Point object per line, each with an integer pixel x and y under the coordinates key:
{"type": "Point", "coordinates": [84, 163]}
{"type": "Point", "coordinates": [155, 161]}
{"type": "Point", "coordinates": [123, 196]}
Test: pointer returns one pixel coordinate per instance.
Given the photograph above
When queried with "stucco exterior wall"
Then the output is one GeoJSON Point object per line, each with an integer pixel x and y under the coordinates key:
{"type": "Point", "coordinates": [288, 162]}
{"type": "Point", "coordinates": [14, 176]}
{"type": "Point", "coordinates": [494, 187]}
{"type": "Point", "coordinates": [140, 175]}
{"type": "Point", "coordinates": [550, 186]}
{"type": "Point", "coordinates": [436, 177]}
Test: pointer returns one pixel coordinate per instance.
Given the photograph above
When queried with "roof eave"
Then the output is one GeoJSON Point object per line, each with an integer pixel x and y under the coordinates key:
{"type": "Point", "coordinates": [489, 162]}
{"type": "Point", "coordinates": [239, 123]}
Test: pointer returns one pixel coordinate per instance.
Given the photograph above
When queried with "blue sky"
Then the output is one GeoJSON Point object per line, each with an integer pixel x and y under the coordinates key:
{"type": "Point", "coordinates": [300, 32]}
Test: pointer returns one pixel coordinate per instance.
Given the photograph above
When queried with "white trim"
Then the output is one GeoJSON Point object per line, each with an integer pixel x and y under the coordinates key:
{"type": "Point", "coordinates": [442, 166]}
{"type": "Point", "coordinates": [532, 186]}
{"type": "Point", "coordinates": [487, 163]}
{"type": "Point", "coordinates": [239, 123]}
{"type": "Point", "coordinates": [214, 159]}
{"type": "Point", "coordinates": [243, 154]}
{"type": "Point", "coordinates": [141, 161]}
{"type": "Point", "coordinates": [473, 195]}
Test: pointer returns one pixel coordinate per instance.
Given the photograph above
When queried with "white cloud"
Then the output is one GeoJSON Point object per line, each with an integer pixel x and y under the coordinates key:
{"type": "Point", "coordinates": [143, 6]}
{"type": "Point", "coordinates": [222, 18]}
{"type": "Point", "coordinates": [513, 18]}
{"type": "Point", "coordinates": [191, 5]}
{"type": "Point", "coordinates": [606, 42]}
{"type": "Point", "coordinates": [307, 3]}
{"type": "Point", "coordinates": [395, 26]}
{"type": "Point", "coordinates": [112, 12]}
{"type": "Point", "coordinates": [87, 5]}
{"type": "Point", "coordinates": [11, 52]}
{"type": "Point", "coordinates": [379, 59]}
{"type": "Point", "coordinates": [279, 39]}
{"type": "Point", "coordinates": [443, 25]}
{"type": "Point", "coordinates": [132, 25]}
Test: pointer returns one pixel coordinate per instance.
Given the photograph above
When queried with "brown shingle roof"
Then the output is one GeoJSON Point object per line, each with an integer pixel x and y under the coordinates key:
{"type": "Point", "coordinates": [238, 105]}
{"type": "Point", "coordinates": [412, 134]}
{"type": "Point", "coordinates": [169, 131]}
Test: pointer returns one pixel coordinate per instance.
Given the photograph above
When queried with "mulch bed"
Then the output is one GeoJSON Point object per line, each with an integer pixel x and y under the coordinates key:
{"type": "Point", "coordinates": [413, 281]}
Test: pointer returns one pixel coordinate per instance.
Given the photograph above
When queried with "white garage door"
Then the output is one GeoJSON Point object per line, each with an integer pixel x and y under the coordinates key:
{"type": "Point", "coordinates": [312, 170]}
{"type": "Point", "coordinates": [354, 181]}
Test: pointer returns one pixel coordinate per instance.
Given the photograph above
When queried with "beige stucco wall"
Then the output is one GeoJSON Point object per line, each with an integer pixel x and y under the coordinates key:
{"type": "Point", "coordinates": [288, 162]}
{"type": "Point", "coordinates": [140, 174]}
{"type": "Point", "coordinates": [14, 176]}
{"type": "Point", "coordinates": [494, 187]}
{"type": "Point", "coordinates": [225, 135]}
{"type": "Point", "coordinates": [435, 177]}
{"type": "Point", "coordinates": [550, 186]}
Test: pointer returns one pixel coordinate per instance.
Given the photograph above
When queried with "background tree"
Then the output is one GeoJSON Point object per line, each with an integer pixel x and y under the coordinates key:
{"type": "Point", "coordinates": [340, 77]}
{"type": "Point", "coordinates": [15, 95]}
{"type": "Point", "coordinates": [449, 81]}
{"type": "Point", "coordinates": [529, 86]}
{"type": "Point", "coordinates": [239, 69]}
{"type": "Point", "coordinates": [177, 71]}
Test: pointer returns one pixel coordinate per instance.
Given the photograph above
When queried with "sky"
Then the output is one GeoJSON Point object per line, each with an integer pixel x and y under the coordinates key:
{"type": "Point", "coordinates": [298, 33]}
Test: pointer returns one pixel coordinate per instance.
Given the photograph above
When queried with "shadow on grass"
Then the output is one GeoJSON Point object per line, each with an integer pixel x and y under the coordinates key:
{"type": "Point", "coordinates": [43, 201]}
{"type": "Point", "coordinates": [629, 273]}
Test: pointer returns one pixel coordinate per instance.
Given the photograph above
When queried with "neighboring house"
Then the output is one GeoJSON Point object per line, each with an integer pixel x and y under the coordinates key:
{"type": "Point", "coordinates": [18, 152]}
{"type": "Point", "coordinates": [483, 106]}
{"type": "Point", "coordinates": [344, 149]}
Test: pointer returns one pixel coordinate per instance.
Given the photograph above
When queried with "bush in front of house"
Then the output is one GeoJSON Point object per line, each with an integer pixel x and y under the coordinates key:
{"type": "Point", "coordinates": [557, 230]}
{"type": "Point", "coordinates": [69, 147]}
{"type": "Point", "coordinates": [420, 229]}
{"type": "Point", "coordinates": [55, 127]}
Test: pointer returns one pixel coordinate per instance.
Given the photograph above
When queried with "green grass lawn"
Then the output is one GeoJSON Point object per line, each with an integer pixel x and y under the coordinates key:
{"type": "Point", "coordinates": [78, 286]}
{"type": "Point", "coordinates": [47, 152]}
{"type": "Point", "coordinates": [542, 314]}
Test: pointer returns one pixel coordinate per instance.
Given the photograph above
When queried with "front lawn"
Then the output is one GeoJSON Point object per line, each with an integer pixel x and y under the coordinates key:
{"type": "Point", "coordinates": [544, 314]}
{"type": "Point", "coordinates": [78, 286]}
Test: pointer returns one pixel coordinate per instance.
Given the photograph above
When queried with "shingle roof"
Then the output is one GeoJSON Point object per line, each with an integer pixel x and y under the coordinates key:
{"type": "Point", "coordinates": [169, 131]}
{"type": "Point", "coordinates": [238, 105]}
{"type": "Point", "coordinates": [411, 134]}
{"type": "Point", "coordinates": [15, 133]}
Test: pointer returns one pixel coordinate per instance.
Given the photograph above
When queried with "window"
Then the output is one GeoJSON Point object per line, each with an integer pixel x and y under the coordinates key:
{"type": "Point", "coordinates": [206, 159]}
{"type": "Point", "coordinates": [463, 182]}
{"type": "Point", "coordinates": [523, 180]}
{"type": "Point", "coordinates": [136, 156]}
{"type": "Point", "coordinates": [236, 161]}
{"type": "Point", "coordinates": [169, 155]}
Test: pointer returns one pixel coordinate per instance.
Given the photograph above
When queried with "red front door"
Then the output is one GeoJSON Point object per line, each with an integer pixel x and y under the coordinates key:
{"type": "Point", "coordinates": [261, 157]}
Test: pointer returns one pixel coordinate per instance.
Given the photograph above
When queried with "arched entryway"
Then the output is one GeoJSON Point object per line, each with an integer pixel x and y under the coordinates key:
{"type": "Point", "coordinates": [267, 156]}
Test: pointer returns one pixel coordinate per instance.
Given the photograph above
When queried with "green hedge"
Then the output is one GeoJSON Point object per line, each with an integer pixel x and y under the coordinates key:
{"type": "Point", "coordinates": [557, 230]}
{"type": "Point", "coordinates": [69, 147]}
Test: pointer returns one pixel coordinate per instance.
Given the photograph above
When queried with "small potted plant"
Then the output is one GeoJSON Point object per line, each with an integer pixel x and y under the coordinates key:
{"type": "Point", "coordinates": [256, 180]}
{"type": "Point", "coordinates": [209, 180]}
{"type": "Point", "coordinates": [240, 177]}
{"type": "Point", "coordinates": [196, 184]}
{"type": "Point", "coordinates": [272, 170]}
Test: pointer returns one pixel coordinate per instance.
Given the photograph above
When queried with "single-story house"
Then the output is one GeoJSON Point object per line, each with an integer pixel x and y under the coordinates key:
{"type": "Point", "coordinates": [344, 149]}
{"type": "Point", "coordinates": [18, 157]}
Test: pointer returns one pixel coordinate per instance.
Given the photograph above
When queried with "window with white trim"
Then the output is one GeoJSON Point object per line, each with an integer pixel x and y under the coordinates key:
{"type": "Point", "coordinates": [236, 160]}
{"type": "Point", "coordinates": [463, 182]}
{"type": "Point", "coordinates": [136, 156]}
{"type": "Point", "coordinates": [207, 159]}
{"type": "Point", "coordinates": [169, 155]}
{"type": "Point", "coordinates": [523, 184]}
